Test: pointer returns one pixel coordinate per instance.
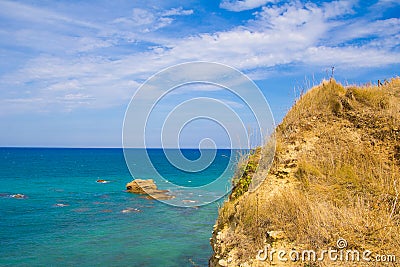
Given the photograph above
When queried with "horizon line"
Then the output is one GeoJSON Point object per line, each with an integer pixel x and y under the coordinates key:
{"type": "Point", "coordinates": [99, 147]}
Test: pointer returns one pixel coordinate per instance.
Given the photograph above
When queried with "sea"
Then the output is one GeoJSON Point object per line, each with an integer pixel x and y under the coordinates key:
{"type": "Point", "coordinates": [69, 207]}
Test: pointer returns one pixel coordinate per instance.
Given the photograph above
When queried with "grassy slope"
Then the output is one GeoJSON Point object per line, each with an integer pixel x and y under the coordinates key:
{"type": "Point", "coordinates": [336, 173]}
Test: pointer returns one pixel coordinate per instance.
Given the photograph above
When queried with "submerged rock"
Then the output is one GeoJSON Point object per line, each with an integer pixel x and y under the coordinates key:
{"type": "Point", "coordinates": [147, 187]}
{"type": "Point", "coordinates": [101, 181]}
{"type": "Point", "coordinates": [61, 205]}
{"type": "Point", "coordinates": [130, 210]}
{"type": "Point", "coordinates": [18, 196]}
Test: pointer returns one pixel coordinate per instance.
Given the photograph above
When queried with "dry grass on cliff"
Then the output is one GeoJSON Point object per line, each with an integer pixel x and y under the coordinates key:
{"type": "Point", "coordinates": [336, 174]}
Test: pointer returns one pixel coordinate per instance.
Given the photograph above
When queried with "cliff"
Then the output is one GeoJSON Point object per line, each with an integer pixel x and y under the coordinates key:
{"type": "Point", "coordinates": [335, 177]}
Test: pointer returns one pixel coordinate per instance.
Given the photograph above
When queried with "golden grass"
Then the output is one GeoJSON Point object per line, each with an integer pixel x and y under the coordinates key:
{"type": "Point", "coordinates": [336, 174]}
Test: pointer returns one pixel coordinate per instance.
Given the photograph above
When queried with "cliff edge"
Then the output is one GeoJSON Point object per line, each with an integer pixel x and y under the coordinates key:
{"type": "Point", "coordinates": [335, 178]}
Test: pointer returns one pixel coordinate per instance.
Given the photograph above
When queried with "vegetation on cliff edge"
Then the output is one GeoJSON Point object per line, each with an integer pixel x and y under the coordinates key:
{"type": "Point", "coordinates": [336, 174]}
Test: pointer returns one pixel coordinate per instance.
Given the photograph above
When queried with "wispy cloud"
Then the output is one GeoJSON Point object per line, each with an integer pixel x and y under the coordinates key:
{"type": "Point", "coordinates": [177, 12]}
{"type": "Point", "coordinates": [79, 63]}
{"type": "Point", "coordinates": [241, 5]}
{"type": "Point", "coordinates": [32, 14]}
{"type": "Point", "coordinates": [146, 20]}
{"type": "Point", "coordinates": [291, 33]}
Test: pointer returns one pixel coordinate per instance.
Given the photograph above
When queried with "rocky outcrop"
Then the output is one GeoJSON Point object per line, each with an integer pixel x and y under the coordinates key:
{"type": "Point", "coordinates": [148, 188]}
{"type": "Point", "coordinates": [18, 196]}
{"type": "Point", "coordinates": [322, 183]}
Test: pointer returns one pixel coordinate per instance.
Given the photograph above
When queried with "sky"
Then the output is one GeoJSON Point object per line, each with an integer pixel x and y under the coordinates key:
{"type": "Point", "coordinates": [68, 69]}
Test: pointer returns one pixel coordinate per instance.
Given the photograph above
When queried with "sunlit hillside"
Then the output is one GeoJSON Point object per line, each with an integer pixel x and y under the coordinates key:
{"type": "Point", "coordinates": [336, 175]}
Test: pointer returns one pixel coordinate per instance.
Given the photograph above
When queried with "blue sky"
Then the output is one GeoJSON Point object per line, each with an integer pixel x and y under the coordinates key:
{"type": "Point", "coordinates": [69, 68]}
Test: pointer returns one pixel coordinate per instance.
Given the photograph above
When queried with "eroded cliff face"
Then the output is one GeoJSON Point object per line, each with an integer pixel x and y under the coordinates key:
{"type": "Point", "coordinates": [231, 242]}
{"type": "Point", "coordinates": [336, 175]}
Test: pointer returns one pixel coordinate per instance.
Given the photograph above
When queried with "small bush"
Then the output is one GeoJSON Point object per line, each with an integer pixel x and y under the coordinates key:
{"type": "Point", "coordinates": [246, 168]}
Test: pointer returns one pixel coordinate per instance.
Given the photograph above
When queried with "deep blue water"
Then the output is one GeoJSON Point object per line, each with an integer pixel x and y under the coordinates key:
{"type": "Point", "coordinates": [68, 219]}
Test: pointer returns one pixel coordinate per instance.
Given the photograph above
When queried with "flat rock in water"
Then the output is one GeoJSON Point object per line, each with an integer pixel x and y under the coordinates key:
{"type": "Point", "coordinates": [20, 196]}
{"type": "Point", "coordinates": [147, 187]}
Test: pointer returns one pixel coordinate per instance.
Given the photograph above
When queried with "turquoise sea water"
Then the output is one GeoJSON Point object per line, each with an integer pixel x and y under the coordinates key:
{"type": "Point", "coordinates": [68, 219]}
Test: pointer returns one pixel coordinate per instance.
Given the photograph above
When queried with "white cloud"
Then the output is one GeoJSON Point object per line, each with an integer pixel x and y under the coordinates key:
{"type": "Point", "coordinates": [151, 20]}
{"type": "Point", "coordinates": [33, 14]}
{"type": "Point", "coordinates": [296, 33]}
{"type": "Point", "coordinates": [46, 31]}
{"type": "Point", "coordinates": [177, 12]}
{"type": "Point", "coordinates": [338, 8]}
{"type": "Point", "coordinates": [142, 17]}
{"type": "Point", "coordinates": [241, 5]}
{"type": "Point", "coordinates": [351, 57]}
{"type": "Point", "coordinates": [143, 20]}
{"type": "Point", "coordinates": [385, 4]}
{"type": "Point", "coordinates": [64, 84]}
{"type": "Point", "coordinates": [304, 21]}
{"type": "Point", "coordinates": [382, 30]}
